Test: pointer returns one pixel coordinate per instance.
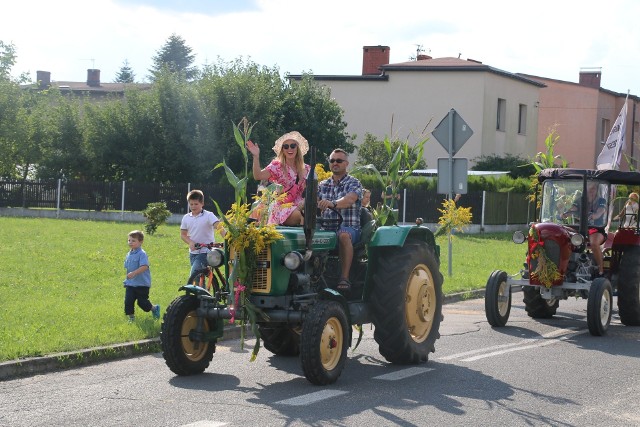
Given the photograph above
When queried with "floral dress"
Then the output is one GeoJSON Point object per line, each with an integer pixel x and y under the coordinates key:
{"type": "Point", "coordinates": [291, 184]}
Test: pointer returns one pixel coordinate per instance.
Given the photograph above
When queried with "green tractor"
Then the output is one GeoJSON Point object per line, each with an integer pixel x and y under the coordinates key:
{"type": "Point", "coordinates": [396, 285]}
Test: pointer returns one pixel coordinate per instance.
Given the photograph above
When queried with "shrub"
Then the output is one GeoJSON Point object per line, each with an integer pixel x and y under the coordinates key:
{"type": "Point", "coordinates": [156, 215]}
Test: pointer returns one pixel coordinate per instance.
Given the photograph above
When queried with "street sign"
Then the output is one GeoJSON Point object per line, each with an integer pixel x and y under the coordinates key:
{"type": "Point", "coordinates": [459, 184]}
{"type": "Point", "coordinates": [459, 133]}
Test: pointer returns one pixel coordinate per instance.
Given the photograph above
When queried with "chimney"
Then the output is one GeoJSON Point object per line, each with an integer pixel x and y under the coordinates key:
{"type": "Point", "coordinates": [93, 78]}
{"type": "Point", "coordinates": [590, 77]}
{"type": "Point", "coordinates": [373, 57]}
{"type": "Point", "coordinates": [422, 56]}
{"type": "Point", "coordinates": [44, 79]}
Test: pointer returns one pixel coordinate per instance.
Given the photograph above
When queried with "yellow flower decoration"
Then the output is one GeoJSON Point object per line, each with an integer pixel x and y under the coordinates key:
{"type": "Point", "coordinates": [453, 218]}
{"type": "Point", "coordinates": [322, 174]}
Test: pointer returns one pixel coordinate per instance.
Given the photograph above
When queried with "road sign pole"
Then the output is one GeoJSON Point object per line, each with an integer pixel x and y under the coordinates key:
{"type": "Point", "coordinates": [451, 112]}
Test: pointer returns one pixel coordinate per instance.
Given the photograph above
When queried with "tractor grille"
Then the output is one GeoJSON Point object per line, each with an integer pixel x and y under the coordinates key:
{"type": "Point", "coordinates": [262, 275]}
{"type": "Point", "coordinates": [552, 249]}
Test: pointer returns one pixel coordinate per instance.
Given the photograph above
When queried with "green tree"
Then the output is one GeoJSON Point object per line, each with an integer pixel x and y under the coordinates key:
{"type": "Point", "coordinates": [373, 152]}
{"type": "Point", "coordinates": [7, 60]}
{"type": "Point", "coordinates": [63, 150]}
{"type": "Point", "coordinates": [309, 109]}
{"type": "Point", "coordinates": [125, 74]}
{"type": "Point", "coordinates": [176, 57]}
{"type": "Point", "coordinates": [237, 89]}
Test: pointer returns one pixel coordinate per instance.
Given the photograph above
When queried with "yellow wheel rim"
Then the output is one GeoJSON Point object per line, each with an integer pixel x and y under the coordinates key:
{"type": "Point", "coordinates": [331, 343]}
{"type": "Point", "coordinates": [420, 303]}
{"type": "Point", "coordinates": [193, 350]}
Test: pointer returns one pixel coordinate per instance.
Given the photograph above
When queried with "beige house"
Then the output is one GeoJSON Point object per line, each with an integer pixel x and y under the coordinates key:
{"type": "Point", "coordinates": [409, 99]}
{"type": "Point", "coordinates": [582, 115]}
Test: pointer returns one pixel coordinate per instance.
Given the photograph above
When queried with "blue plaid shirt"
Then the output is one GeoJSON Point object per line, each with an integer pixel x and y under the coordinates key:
{"type": "Point", "coordinates": [329, 190]}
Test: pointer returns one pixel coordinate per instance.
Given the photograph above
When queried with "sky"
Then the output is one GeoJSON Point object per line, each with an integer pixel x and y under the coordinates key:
{"type": "Point", "coordinates": [547, 38]}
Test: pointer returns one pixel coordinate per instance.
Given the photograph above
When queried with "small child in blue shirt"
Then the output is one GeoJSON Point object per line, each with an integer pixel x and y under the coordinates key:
{"type": "Point", "coordinates": [138, 281]}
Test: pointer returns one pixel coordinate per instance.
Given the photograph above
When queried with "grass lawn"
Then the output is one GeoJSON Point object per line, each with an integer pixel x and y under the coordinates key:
{"type": "Point", "coordinates": [61, 280]}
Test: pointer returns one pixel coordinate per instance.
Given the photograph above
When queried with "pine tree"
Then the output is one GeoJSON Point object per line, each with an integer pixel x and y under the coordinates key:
{"type": "Point", "coordinates": [125, 75]}
{"type": "Point", "coordinates": [176, 57]}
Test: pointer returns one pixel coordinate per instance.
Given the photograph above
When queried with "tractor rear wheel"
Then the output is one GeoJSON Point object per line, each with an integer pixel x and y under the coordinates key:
{"type": "Point", "coordinates": [181, 353]}
{"type": "Point", "coordinates": [324, 342]}
{"type": "Point", "coordinates": [406, 303]}
{"type": "Point", "coordinates": [629, 288]}
{"type": "Point", "coordinates": [280, 340]}
{"type": "Point", "coordinates": [536, 306]}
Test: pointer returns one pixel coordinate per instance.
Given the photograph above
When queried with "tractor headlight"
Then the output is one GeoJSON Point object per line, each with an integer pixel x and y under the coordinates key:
{"type": "Point", "coordinates": [215, 258]}
{"type": "Point", "coordinates": [577, 240]}
{"type": "Point", "coordinates": [293, 260]}
{"type": "Point", "coordinates": [518, 237]}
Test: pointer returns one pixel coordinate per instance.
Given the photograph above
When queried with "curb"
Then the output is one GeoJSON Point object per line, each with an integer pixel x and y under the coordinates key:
{"type": "Point", "coordinates": [73, 359]}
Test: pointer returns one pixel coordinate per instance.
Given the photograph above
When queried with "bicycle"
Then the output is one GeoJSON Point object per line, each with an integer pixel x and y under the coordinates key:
{"type": "Point", "coordinates": [209, 278]}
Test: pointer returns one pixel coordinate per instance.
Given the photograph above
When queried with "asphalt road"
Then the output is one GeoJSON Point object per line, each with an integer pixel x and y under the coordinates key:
{"type": "Point", "coordinates": [529, 373]}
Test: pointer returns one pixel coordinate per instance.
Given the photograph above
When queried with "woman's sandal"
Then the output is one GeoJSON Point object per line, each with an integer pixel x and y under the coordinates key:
{"type": "Point", "coordinates": [344, 286]}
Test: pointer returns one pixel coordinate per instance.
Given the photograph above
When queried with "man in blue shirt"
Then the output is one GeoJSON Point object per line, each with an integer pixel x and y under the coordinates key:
{"type": "Point", "coordinates": [343, 193]}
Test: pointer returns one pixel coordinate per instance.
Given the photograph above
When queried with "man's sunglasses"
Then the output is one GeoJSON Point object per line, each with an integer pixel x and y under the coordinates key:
{"type": "Point", "coordinates": [338, 161]}
{"type": "Point", "coordinates": [286, 146]}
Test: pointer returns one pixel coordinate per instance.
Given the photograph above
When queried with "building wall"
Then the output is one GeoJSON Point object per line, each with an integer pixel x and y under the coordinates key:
{"type": "Point", "coordinates": [410, 104]}
{"type": "Point", "coordinates": [576, 112]}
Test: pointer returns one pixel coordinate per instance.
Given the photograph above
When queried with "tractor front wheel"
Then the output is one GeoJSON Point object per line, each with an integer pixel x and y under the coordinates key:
{"type": "Point", "coordinates": [324, 342]}
{"type": "Point", "coordinates": [182, 354]}
{"type": "Point", "coordinates": [599, 306]}
{"type": "Point", "coordinates": [497, 299]}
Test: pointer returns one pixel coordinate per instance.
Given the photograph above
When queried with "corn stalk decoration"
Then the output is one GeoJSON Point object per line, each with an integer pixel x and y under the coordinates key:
{"type": "Point", "coordinates": [398, 170]}
{"type": "Point", "coordinates": [245, 240]}
{"type": "Point", "coordinates": [546, 271]}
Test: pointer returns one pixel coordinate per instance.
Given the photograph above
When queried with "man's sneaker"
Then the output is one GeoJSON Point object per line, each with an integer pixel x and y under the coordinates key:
{"type": "Point", "coordinates": [131, 319]}
{"type": "Point", "coordinates": [156, 311]}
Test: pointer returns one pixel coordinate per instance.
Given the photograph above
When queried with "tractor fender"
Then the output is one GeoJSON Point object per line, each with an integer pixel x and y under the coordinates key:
{"type": "Point", "coordinates": [194, 290]}
{"type": "Point", "coordinates": [396, 235]}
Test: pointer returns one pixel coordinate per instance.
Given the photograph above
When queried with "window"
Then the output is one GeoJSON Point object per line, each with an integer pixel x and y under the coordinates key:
{"type": "Point", "coordinates": [604, 130]}
{"type": "Point", "coordinates": [502, 114]}
{"type": "Point", "coordinates": [522, 119]}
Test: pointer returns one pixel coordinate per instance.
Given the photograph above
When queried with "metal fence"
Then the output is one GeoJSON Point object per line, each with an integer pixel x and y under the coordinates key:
{"type": "Point", "coordinates": [487, 208]}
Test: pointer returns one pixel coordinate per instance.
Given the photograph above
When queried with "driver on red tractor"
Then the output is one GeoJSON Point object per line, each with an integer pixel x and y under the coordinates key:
{"type": "Point", "coordinates": [596, 220]}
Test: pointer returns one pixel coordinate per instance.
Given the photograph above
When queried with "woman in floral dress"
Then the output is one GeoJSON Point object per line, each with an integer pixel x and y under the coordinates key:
{"type": "Point", "coordinates": [288, 170]}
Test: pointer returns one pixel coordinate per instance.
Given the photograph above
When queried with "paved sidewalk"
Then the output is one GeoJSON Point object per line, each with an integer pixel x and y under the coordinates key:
{"type": "Point", "coordinates": [74, 359]}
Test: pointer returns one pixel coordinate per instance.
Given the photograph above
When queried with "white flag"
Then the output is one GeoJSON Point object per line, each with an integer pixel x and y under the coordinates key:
{"type": "Point", "coordinates": [611, 153]}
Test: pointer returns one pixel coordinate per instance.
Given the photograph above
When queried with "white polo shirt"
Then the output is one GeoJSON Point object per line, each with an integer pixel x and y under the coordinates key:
{"type": "Point", "coordinates": [200, 228]}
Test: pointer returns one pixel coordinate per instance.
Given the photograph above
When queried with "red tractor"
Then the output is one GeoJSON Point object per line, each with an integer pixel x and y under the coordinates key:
{"type": "Point", "coordinates": [560, 262]}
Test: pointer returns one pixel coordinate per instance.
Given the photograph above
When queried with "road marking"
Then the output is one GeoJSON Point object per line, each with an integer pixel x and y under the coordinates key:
{"type": "Point", "coordinates": [402, 374]}
{"type": "Point", "coordinates": [523, 344]}
{"type": "Point", "coordinates": [205, 423]}
{"type": "Point", "coordinates": [540, 343]}
{"type": "Point", "coordinates": [307, 399]}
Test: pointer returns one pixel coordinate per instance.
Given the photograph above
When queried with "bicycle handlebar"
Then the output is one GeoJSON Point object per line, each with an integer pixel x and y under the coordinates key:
{"type": "Point", "coordinates": [208, 245]}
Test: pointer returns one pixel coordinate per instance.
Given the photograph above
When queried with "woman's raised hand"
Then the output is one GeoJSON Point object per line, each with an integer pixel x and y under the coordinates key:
{"type": "Point", "coordinates": [253, 148]}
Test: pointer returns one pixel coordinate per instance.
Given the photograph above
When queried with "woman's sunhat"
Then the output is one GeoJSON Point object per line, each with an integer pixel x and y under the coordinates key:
{"type": "Point", "coordinates": [292, 136]}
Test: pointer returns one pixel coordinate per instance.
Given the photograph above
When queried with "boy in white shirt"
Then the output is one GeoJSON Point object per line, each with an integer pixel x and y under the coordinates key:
{"type": "Point", "coordinates": [198, 227]}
